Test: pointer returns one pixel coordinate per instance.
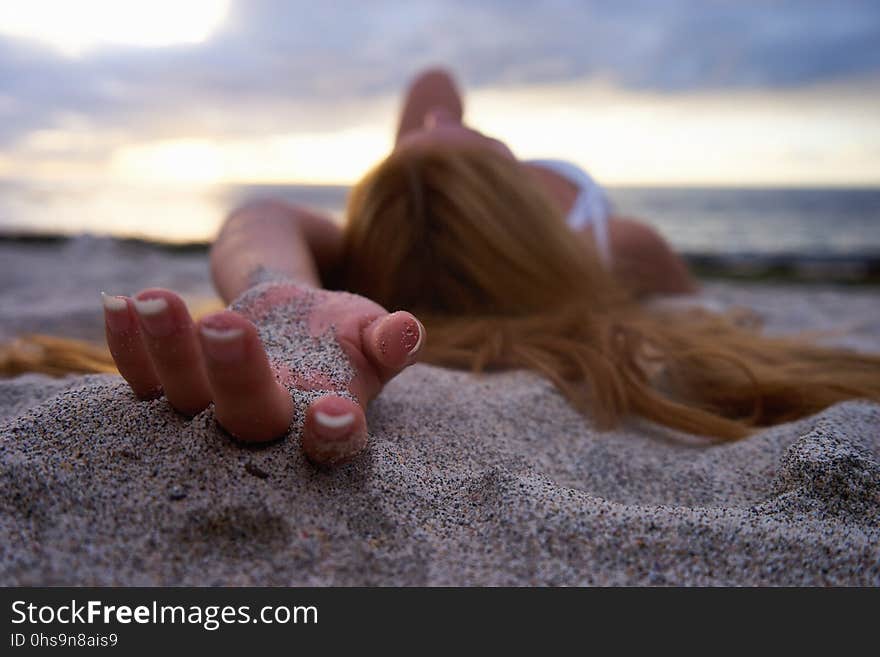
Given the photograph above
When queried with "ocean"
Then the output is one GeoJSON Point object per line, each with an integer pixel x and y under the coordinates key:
{"type": "Point", "coordinates": [757, 222]}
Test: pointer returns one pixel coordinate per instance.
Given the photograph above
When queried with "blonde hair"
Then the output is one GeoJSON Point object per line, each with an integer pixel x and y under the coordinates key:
{"type": "Point", "coordinates": [55, 356]}
{"type": "Point", "coordinates": [58, 356]}
{"type": "Point", "coordinates": [468, 242]}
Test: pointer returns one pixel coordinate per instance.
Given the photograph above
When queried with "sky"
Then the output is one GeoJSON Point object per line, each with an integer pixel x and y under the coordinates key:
{"type": "Point", "coordinates": [660, 92]}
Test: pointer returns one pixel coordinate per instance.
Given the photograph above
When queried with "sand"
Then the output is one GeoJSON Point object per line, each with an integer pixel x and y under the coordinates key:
{"type": "Point", "coordinates": [467, 480]}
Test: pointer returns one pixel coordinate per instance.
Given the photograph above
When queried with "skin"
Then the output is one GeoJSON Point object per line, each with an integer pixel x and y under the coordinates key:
{"type": "Point", "coordinates": [642, 259]}
{"type": "Point", "coordinates": [159, 349]}
{"type": "Point", "coordinates": [166, 352]}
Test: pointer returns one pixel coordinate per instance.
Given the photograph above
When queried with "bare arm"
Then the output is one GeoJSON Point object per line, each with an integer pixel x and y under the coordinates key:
{"type": "Point", "coordinates": [270, 236]}
{"type": "Point", "coordinates": [256, 384]}
{"type": "Point", "coordinates": [433, 90]}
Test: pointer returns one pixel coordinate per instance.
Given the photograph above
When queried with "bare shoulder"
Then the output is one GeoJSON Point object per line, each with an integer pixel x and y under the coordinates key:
{"type": "Point", "coordinates": [643, 257]}
{"type": "Point", "coordinates": [560, 189]}
{"type": "Point", "coordinates": [627, 238]}
{"type": "Point", "coordinates": [628, 235]}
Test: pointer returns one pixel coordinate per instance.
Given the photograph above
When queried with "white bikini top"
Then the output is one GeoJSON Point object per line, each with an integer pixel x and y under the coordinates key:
{"type": "Point", "coordinates": [591, 207]}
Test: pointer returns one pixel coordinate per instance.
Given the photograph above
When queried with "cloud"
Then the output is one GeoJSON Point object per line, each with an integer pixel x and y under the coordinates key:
{"type": "Point", "coordinates": [274, 61]}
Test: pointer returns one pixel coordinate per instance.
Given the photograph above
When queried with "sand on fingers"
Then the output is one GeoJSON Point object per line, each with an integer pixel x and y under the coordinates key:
{"type": "Point", "coordinates": [466, 480]}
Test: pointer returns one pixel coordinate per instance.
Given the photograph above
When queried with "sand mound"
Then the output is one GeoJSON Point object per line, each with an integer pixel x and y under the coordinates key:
{"type": "Point", "coordinates": [467, 480]}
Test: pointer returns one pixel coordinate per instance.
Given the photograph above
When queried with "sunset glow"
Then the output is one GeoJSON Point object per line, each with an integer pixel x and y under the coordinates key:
{"type": "Point", "coordinates": [75, 27]}
{"type": "Point", "coordinates": [623, 138]}
{"type": "Point", "coordinates": [216, 91]}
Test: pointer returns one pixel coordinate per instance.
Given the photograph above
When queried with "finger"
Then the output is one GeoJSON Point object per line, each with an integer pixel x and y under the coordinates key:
{"type": "Point", "coordinates": [248, 400]}
{"type": "Point", "coordinates": [393, 342]}
{"type": "Point", "coordinates": [127, 347]}
{"type": "Point", "coordinates": [335, 430]}
{"type": "Point", "coordinates": [170, 339]}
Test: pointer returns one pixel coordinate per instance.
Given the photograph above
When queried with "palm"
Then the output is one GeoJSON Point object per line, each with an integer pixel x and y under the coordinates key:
{"type": "Point", "coordinates": [322, 340]}
{"type": "Point", "coordinates": [285, 358]}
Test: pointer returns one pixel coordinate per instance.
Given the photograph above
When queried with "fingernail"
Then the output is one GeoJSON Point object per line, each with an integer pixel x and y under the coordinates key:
{"type": "Point", "coordinates": [412, 336]}
{"type": "Point", "coordinates": [155, 316]}
{"type": "Point", "coordinates": [223, 344]}
{"type": "Point", "coordinates": [116, 313]}
{"type": "Point", "coordinates": [333, 426]}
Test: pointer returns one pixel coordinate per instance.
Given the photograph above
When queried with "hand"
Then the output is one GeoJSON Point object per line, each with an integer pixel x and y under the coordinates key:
{"type": "Point", "coordinates": [285, 358]}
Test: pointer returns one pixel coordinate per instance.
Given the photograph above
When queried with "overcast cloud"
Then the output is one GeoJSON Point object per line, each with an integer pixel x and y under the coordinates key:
{"type": "Point", "coordinates": [271, 55]}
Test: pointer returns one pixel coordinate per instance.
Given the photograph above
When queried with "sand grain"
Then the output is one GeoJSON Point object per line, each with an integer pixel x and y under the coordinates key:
{"type": "Point", "coordinates": [467, 480]}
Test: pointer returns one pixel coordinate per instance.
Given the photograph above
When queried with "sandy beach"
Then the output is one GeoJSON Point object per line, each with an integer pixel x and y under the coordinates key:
{"type": "Point", "coordinates": [467, 480]}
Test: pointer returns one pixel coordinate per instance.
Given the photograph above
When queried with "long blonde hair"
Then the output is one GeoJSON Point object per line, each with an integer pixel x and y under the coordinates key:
{"type": "Point", "coordinates": [468, 242]}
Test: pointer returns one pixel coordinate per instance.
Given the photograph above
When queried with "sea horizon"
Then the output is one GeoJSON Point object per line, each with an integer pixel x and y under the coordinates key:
{"type": "Point", "coordinates": [731, 220]}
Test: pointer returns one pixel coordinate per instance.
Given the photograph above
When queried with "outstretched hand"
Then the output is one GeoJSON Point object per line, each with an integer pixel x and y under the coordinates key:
{"type": "Point", "coordinates": [286, 357]}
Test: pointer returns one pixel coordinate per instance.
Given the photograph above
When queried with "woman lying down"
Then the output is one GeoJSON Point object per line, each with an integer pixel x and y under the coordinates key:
{"type": "Point", "coordinates": [458, 254]}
